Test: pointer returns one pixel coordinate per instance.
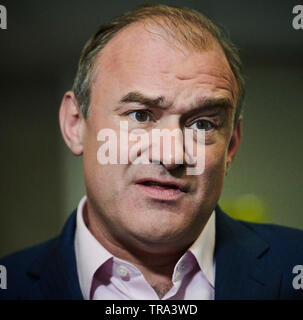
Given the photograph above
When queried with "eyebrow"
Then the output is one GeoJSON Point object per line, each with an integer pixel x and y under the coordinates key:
{"type": "Point", "coordinates": [137, 97]}
{"type": "Point", "coordinates": [210, 104]}
{"type": "Point", "coordinates": [200, 104]}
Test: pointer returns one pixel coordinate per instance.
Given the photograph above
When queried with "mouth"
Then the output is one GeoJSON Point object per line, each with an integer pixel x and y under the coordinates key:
{"type": "Point", "coordinates": [162, 190]}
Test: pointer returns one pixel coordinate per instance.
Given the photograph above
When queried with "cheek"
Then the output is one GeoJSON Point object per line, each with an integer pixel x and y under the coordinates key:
{"type": "Point", "coordinates": [215, 153]}
{"type": "Point", "coordinates": [215, 158]}
{"type": "Point", "coordinates": [99, 178]}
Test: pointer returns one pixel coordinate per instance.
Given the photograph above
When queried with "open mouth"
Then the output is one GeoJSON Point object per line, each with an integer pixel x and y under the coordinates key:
{"type": "Point", "coordinates": [162, 190]}
{"type": "Point", "coordinates": [158, 185]}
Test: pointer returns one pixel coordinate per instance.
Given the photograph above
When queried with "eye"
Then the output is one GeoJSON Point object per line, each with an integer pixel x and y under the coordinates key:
{"type": "Point", "coordinates": [202, 124]}
{"type": "Point", "coordinates": [140, 116]}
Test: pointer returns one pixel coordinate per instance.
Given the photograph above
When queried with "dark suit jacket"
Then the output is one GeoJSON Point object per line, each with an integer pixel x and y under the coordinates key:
{"type": "Point", "coordinates": [253, 261]}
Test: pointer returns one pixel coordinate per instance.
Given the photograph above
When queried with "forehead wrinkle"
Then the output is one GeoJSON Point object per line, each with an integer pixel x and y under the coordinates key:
{"type": "Point", "coordinates": [190, 40]}
{"type": "Point", "coordinates": [223, 83]}
{"type": "Point", "coordinates": [109, 59]}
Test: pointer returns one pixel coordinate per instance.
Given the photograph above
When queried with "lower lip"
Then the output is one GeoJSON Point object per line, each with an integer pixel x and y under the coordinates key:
{"type": "Point", "coordinates": [161, 193]}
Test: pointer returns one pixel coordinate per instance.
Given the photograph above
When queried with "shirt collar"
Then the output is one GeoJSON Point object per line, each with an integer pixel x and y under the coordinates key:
{"type": "Point", "coordinates": [90, 254]}
{"type": "Point", "coordinates": [203, 249]}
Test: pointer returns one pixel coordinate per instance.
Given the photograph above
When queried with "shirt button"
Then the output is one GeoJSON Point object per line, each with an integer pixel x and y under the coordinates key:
{"type": "Point", "coordinates": [122, 271]}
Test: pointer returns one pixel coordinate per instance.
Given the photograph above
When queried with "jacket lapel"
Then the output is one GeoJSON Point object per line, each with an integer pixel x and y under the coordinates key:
{"type": "Point", "coordinates": [243, 270]}
{"type": "Point", "coordinates": [57, 270]}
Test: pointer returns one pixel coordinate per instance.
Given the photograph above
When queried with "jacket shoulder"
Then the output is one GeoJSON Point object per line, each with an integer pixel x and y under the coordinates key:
{"type": "Point", "coordinates": [285, 243]}
{"type": "Point", "coordinates": [269, 255]}
{"type": "Point", "coordinates": [274, 232]}
{"type": "Point", "coordinates": [17, 267]}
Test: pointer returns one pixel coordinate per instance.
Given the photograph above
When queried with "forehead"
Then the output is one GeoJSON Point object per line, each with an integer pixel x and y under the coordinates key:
{"type": "Point", "coordinates": [143, 58]}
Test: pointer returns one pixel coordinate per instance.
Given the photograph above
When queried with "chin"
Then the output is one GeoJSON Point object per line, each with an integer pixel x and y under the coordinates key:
{"type": "Point", "coordinates": [159, 233]}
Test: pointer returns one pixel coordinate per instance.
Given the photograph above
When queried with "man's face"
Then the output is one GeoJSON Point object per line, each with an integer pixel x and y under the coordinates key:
{"type": "Point", "coordinates": [123, 203]}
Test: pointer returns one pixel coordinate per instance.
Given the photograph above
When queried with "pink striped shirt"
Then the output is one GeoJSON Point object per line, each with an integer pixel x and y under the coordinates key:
{"type": "Point", "coordinates": [105, 277]}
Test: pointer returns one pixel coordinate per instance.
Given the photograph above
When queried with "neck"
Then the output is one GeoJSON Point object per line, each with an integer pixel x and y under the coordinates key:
{"type": "Point", "coordinates": [156, 266]}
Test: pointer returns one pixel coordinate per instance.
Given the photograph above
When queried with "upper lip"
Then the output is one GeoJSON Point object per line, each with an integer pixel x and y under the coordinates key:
{"type": "Point", "coordinates": [165, 183]}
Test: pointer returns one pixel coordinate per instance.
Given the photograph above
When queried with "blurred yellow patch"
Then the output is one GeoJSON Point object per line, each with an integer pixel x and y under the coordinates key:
{"type": "Point", "coordinates": [248, 207]}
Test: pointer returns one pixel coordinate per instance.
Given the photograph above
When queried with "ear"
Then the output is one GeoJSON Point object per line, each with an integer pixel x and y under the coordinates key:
{"type": "Point", "coordinates": [234, 143]}
{"type": "Point", "coordinates": [71, 123]}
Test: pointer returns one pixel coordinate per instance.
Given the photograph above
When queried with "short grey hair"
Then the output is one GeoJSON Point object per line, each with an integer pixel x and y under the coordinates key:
{"type": "Point", "coordinates": [191, 28]}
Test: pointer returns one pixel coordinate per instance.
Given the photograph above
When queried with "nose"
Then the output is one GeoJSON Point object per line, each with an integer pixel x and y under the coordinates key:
{"type": "Point", "coordinates": [167, 145]}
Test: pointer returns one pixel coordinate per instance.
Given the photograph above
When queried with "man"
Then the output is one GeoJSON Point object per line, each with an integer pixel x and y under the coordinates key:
{"type": "Point", "coordinates": [151, 230]}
